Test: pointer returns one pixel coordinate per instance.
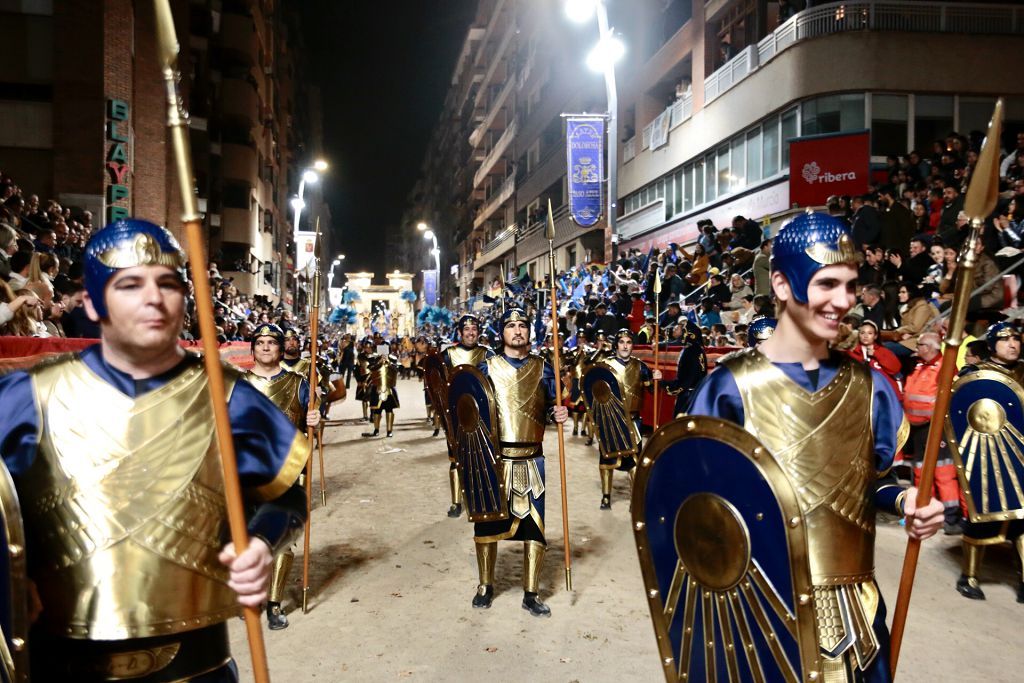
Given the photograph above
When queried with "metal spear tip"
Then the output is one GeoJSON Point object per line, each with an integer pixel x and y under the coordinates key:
{"type": "Point", "coordinates": [166, 38]}
{"type": "Point", "coordinates": [657, 282]}
{"type": "Point", "coordinates": [983, 191]}
{"type": "Point", "coordinates": [550, 234]}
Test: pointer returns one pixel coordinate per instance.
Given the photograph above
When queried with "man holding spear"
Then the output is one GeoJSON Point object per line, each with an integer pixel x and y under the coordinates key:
{"type": "Point", "coordinates": [114, 456]}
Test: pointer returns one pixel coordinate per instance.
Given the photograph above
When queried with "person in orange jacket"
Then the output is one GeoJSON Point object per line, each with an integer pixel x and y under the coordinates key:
{"type": "Point", "coordinates": [918, 402]}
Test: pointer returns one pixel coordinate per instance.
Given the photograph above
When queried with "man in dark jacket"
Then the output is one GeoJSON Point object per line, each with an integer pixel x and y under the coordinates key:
{"type": "Point", "coordinates": [866, 228]}
{"type": "Point", "coordinates": [952, 205]}
{"type": "Point", "coordinates": [897, 220]}
{"type": "Point", "coordinates": [915, 268]}
{"type": "Point", "coordinates": [748, 233]}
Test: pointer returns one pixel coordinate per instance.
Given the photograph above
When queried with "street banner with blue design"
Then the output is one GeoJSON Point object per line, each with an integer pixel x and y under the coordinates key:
{"type": "Point", "coordinates": [584, 142]}
{"type": "Point", "coordinates": [430, 287]}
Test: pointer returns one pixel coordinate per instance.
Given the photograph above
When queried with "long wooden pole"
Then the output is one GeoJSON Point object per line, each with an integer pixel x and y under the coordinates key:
{"type": "Point", "coordinates": [657, 340]}
{"type": "Point", "coordinates": [558, 398]}
{"type": "Point", "coordinates": [314, 330]}
{"type": "Point", "coordinates": [177, 123]}
{"type": "Point", "coordinates": [981, 199]}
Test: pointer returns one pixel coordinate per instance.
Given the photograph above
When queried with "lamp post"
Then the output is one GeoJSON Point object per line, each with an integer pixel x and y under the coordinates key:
{"type": "Point", "coordinates": [336, 262]}
{"type": "Point", "coordinates": [428, 234]}
{"type": "Point", "coordinates": [310, 175]}
{"type": "Point", "coordinates": [602, 58]}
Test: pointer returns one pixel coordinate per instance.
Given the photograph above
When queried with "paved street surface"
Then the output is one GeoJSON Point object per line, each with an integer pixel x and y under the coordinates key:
{"type": "Point", "coordinates": [392, 578]}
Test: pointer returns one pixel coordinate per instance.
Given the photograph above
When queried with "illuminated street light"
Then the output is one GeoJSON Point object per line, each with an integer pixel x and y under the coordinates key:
{"type": "Point", "coordinates": [429, 235]}
{"type": "Point", "coordinates": [298, 204]}
{"type": "Point", "coordinates": [421, 226]}
{"type": "Point", "coordinates": [605, 54]}
{"type": "Point", "coordinates": [579, 10]}
{"type": "Point", "coordinates": [320, 165]}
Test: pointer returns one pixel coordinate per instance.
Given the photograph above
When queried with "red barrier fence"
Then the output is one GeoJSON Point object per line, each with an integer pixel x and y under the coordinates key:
{"type": "Point", "coordinates": [18, 353]}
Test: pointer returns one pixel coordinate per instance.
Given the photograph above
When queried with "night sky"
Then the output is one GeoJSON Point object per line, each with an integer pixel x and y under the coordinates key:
{"type": "Point", "coordinates": [384, 69]}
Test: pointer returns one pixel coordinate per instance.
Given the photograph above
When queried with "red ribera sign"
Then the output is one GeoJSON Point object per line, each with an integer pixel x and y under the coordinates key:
{"type": "Point", "coordinates": [824, 165]}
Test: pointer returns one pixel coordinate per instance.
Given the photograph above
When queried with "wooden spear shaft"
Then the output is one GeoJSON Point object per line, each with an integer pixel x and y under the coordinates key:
{"type": "Point", "coordinates": [177, 123]}
{"type": "Point", "coordinates": [657, 344]}
{"type": "Point", "coordinates": [558, 399]}
{"type": "Point", "coordinates": [314, 329]}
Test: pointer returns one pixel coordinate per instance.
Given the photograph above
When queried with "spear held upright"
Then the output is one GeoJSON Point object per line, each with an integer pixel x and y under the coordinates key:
{"type": "Point", "coordinates": [558, 396]}
{"type": "Point", "coordinates": [657, 339]}
{"type": "Point", "coordinates": [982, 195]}
{"type": "Point", "coordinates": [314, 325]}
{"type": "Point", "coordinates": [177, 123]}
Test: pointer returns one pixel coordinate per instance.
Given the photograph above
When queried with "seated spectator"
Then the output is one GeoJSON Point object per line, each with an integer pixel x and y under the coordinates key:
{"type": "Point", "coordinates": [915, 315]}
{"type": "Point", "coordinates": [20, 263]}
{"type": "Point", "coordinates": [718, 290]}
{"type": "Point", "coordinates": [28, 320]}
{"type": "Point", "coordinates": [869, 350]}
{"type": "Point", "coordinates": [700, 263]}
{"type": "Point", "coordinates": [708, 314]}
{"type": "Point", "coordinates": [987, 280]}
{"type": "Point", "coordinates": [739, 290]}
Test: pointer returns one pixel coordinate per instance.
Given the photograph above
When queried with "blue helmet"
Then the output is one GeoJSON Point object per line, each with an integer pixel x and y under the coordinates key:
{"type": "Point", "coordinates": [807, 244]}
{"type": "Point", "coordinates": [760, 328]}
{"type": "Point", "coordinates": [465, 320]}
{"type": "Point", "coordinates": [126, 244]}
{"type": "Point", "coordinates": [1000, 330]}
{"type": "Point", "coordinates": [512, 315]}
{"type": "Point", "coordinates": [269, 330]}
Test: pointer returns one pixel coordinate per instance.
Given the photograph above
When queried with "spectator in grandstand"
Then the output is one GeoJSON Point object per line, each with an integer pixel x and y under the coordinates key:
{"type": "Point", "coordinates": [762, 268]}
{"type": "Point", "coordinates": [866, 227]}
{"type": "Point", "coordinates": [916, 313]}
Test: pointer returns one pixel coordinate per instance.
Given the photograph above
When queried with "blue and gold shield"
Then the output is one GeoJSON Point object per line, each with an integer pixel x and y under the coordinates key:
{"type": "Point", "coordinates": [985, 432]}
{"type": "Point", "coordinates": [616, 432]}
{"type": "Point", "coordinates": [723, 554]}
{"type": "Point", "coordinates": [474, 427]}
{"type": "Point", "coordinates": [13, 585]}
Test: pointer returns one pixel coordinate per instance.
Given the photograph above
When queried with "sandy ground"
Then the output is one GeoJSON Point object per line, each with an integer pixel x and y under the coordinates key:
{"type": "Point", "coordinates": [392, 578]}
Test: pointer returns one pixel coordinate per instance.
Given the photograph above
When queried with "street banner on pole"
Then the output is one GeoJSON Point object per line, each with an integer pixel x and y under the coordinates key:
{"type": "Point", "coordinates": [305, 246]}
{"type": "Point", "coordinates": [584, 142]}
{"type": "Point", "coordinates": [430, 287]}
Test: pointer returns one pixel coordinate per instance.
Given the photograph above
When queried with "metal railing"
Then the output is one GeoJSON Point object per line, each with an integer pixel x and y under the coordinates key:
{"type": "Point", "coordinates": [499, 239]}
{"type": "Point", "coordinates": [499, 148]}
{"type": "Point", "coordinates": [497, 199]}
{"type": "Point", "coordinates": [731, 73]}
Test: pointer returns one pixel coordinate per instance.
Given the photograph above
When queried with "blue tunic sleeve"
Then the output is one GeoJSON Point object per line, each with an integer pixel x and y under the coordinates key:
{"type": "Point", "coordinates": [889, 428]}
{"type": "Point", "coordinates": [718, 396]}
{"type": "Point", "coordinates": [19, 422]}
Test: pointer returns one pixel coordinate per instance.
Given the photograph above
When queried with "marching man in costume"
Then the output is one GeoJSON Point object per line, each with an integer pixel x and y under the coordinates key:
{"type": "Point", "coordinates": [467, 352]}
{"type": "Point", "coordinates": [292, 353]}
{"type": "Point", "coordinates": [633, 377]}
{"type": "Point", "coordinates": [290, 392]}
{"type": "Point", "coordinates": [834, 426]}
{"type": "Point", "coordinates": [382, 396]}
{"type": "Point", "coordinates": [524, 391]}
{"type": "Point", "coordinates": [691, 369]}
{"type": "Point", "coordinates": [114, 457]}
{"type": "Point", "coordinates": [992, 432]}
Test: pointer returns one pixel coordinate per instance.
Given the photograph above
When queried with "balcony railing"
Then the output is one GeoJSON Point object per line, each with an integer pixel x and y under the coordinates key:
{"type": "Point", "coordinates": [497, 199]}
{"type": "Point", "coordinates": [499, 148]}
{"type": "Point", "coordinates": [866, 15]}
{"type": "Point", "coordinates": [496, 105]}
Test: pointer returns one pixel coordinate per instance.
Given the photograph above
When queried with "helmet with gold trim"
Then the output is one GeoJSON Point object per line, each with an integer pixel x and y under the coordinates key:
{"type": "Point", "coordinates": [268, 330]}
{"type": "Point", "coordinates": [808, 243]}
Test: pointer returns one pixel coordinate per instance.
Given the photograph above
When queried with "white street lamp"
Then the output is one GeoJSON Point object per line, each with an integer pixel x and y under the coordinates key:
{"type": "Point", "coordinates": [606, 53]}
{"type": "Point", "coordinates": [579, 10]}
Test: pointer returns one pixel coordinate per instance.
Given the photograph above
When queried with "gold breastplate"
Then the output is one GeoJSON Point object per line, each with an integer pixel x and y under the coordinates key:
{"type": "Point", "coordinates": [628, 375]}
{"type": "Point", "coordinates": [521, 401]}
{"type": "Point", "coordinates": [283, 391]}
{"type": "Point", "coordinates": [384, 376]}
{"type": "Point", "coordinates": [125, 499]}
{"type": "Point", "coordinates": [825, 443]}
{"type": "Point", "coordinates": [460, 355]}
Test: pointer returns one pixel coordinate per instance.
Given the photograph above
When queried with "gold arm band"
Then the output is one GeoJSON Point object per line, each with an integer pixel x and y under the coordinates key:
{"type": "Point", "coordinates": [294, 463]}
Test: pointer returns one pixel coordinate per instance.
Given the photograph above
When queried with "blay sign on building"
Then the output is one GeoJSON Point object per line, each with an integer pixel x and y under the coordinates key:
{"type": "Point", "coordinates": [824, 165]}
{"type": "Point", "coordinates": [118, 195]}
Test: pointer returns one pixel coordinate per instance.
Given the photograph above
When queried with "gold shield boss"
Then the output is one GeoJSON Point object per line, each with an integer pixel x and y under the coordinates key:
{"type": "Point", "coordinates": [126, 501]}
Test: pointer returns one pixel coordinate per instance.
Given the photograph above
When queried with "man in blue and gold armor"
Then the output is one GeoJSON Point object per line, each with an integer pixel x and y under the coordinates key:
{"type": "Point", "coordinates": [524, 394]}
{"type": "Point", "coordinates": [634, 378]}
{"type": "Point", "coordinates": [381, 394]}
{"type": "Point", "coordinates": [289, 391]}
{"type": "Point", "coordinates": [116, 464]}
{"type": "Point", "coordinates": [1004, 346]}
{"type": "Point", "coordinates": [834, 426]}
{"type": "Point", "coordinates": [467, 352]}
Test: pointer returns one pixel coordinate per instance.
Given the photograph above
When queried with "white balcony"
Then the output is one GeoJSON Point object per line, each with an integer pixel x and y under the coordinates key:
{"type": "Point", "coordinates": [496, 152]}
{"type": "Point", "coordinates": [499, 102]}
{"type": "Point", "coordinates": [503, 194]}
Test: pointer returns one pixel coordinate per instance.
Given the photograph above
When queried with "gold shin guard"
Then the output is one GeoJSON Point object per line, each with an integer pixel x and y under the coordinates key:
{"type": "Point", "coordinates": [390, 421]}
{"type": "Point", "coordinates": [453, 481]}
{"type": "Point", "coordinates": [973, 554]}
{"type": "Point", "coordinates": [533, 557]}
{"type": "Point", "coordinates": [282, 565]}
{"type": "Point", "coordinates": [376, 422]}
{"type": "Point", "coordinates": [606, 482]}
{"type": "Point", "coordinates": [486, 555]}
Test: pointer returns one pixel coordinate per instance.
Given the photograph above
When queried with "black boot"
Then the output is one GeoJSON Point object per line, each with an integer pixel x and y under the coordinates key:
{"type": "Point", "coordinates": [276, 619]}
{"type": "Point", "coordinates": [953, 525]}
{"type": "Point", "coordinates": [375, 432]}
{"type": "Point", "coordinates": [483, 598]}
{"type": "Point", "coordinates": [606, 502]}
{"type": "Point", "coordinates": [590, 441]}
{"type": "Point", "coordinates": [969, 588]}
{"type": "Point", "coordinates": [1020, 592]}
{"type": "Point", "coordinates": [436, 432]}
{"type": "Point", "coordinates": [575, 431]}
{"type": "Point", "coordinates": [455, 511]}
{"type": "Point", "coordinates": [534, 606]}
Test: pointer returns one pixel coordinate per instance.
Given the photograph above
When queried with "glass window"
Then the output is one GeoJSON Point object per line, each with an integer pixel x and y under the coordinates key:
{"type": "Point", "coordinates": [724, 175]}
{"type": "Point", "coordinates": [688, 194]}
{"type": "Point", "coordinates": [975, 113]}
{"type": "Point", "coordinates": [789, 131]}
{"type": "Point", "coordinates": [832, 114]}
{"type": "Point", "coordinates": [754, 155]}
{"type": "Point", "coordinates": [698, 182]}
{"type": "Point", "coordinates": [677, 204]}
{"type": "Point", "coordinates": [933, 120]}
{"type": "Point", "coordinates": [888, 124]}
{"type": "Point", "coordinates": [670, 188]}
{"type": "Point", "coordinates": [659, 189]}
{"type": "Point", "coordinates": [770, 148]}
{"type": "Point", "coordinates": [738, 179]}
{"type": "Point", "coordinates": [710, 180]}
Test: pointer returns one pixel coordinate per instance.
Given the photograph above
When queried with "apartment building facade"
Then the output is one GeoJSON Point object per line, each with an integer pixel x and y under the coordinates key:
{"type": "Point", "coordinates": [717, 90]}
{"type": "Point", "coordinates": [83, 114]}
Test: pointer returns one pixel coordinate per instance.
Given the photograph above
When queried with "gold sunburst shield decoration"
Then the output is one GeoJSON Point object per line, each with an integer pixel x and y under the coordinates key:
{"type": "Point", "coordinates": [985, 433]}
{"type": "Point", "coordinates": [723, 552]}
